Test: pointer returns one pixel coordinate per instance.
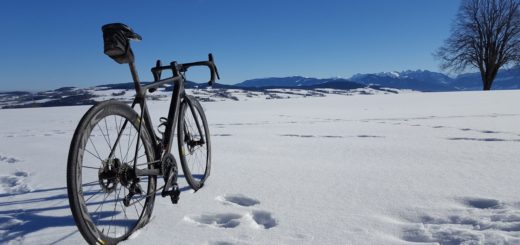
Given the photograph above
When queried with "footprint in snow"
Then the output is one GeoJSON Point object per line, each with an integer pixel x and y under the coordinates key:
{"type": "Point", "coordinates": [489, 132]}
{"type": "Point", "coordinates": [238, 199]}
{"type": "Point", "coordinates": [221, 243]}
{"type": "Point", "coordinates": [482, 203]}
{"type": "Point", "coordinates": [225, 220]}
{"type": "Point", "coordinates": [15, 183]}
{"type": "Point", "coordinates": [227, 242]}
{"type": "Point", "coordinates": [8, 159]}
{"type": "Point", "coordinates": [257, 219]}
{"type": "Point", "coordinates": [482, 221]}
{"type": "Point", "coordinates": [263, 219]}
{"type": "Point", "coordinates": [369, 136]}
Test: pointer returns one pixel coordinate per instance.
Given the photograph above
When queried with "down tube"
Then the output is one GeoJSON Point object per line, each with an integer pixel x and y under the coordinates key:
{"type": "Point", "coordinates": [149, 127]}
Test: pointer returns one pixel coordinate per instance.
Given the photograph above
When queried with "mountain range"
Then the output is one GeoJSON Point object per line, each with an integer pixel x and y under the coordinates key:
{"type": "Point", "coordinates": [427, 81]}
{"type": "Point", "coordinates": [419, 80]}
{"type": "Point", "coordinates": [272, 88]}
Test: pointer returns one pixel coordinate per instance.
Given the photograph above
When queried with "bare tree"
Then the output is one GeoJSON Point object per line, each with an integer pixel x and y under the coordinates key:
{"type": "Point", "coordinates": [485, 35]}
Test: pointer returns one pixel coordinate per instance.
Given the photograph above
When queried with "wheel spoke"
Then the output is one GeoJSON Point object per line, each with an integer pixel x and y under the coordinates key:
{"type": "Point", "coordinates": [120, 134]}
{"type": "Point", "coordinates": [129, 146]}
{"type": "Point", "coordinates": [104, 137]}
{"type": "Point", "coordinates": [95, 149]}
{"type": "Point", "coordinates": [108, 134]}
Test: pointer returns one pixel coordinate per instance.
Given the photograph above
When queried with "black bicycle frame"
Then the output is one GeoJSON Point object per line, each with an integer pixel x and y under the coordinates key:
{"type": "Point", "coordinates": [163, 146]}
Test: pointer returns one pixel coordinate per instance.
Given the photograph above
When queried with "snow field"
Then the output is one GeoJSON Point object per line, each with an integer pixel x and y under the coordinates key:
{"type": "Point", "coordinates": [418, 168]}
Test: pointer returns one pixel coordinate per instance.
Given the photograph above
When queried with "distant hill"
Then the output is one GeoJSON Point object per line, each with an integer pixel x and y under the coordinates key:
{"type": "Point", "coordinates": [295, 81]}
{"type": "Point", "coordinates": [298, 82]}
{"type": "Point", "coordinates": [68, 96]}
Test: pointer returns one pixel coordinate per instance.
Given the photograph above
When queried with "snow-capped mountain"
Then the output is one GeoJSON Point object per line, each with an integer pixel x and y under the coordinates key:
{"type": "Point", "coordinates": [428, 81]}
{"type": "Point", "coordinates": [421, 80]}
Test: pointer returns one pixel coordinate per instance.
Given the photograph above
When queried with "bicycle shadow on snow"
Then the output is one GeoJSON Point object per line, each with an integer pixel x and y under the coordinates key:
{"type": "Point", "coordinates": [19, 221]}
{"type": "Point", "coordinates": [27, 214]}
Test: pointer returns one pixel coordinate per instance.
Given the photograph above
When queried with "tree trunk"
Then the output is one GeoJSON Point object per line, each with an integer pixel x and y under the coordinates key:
{"type": "Point", "coordinates": [488, 77]}
{"type": "Point", "coordinates": [487, 86]}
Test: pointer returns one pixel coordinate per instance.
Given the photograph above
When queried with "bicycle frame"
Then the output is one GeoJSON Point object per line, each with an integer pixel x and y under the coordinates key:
{"type": "Point", "coordinates": [173, 112]}
{"type": "Point", "coordinates": [164, 146]}
{"type": "Point", "coordinates": [161, 147]}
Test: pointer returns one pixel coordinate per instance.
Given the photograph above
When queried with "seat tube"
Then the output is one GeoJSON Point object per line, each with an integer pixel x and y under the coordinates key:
{"type": "Point", "coordinates": [173, 113]}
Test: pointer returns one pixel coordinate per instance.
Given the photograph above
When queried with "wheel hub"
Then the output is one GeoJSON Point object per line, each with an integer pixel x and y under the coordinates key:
{"type": "Point", "coordinates": [107, 174]}
{"type": "Point", "coordinates": [192, 144]}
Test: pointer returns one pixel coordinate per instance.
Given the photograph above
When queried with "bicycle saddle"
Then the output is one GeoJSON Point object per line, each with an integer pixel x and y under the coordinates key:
{"type": "Point", "coordinates": [126, 30]}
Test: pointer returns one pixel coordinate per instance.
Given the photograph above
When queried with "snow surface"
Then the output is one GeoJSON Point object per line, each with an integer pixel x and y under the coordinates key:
{"type": "Point", "coordinates": [417, 168]}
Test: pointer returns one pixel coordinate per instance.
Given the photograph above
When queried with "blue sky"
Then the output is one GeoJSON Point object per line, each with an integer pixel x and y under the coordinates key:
{"type": "Point", "coordinates": [49, 44]}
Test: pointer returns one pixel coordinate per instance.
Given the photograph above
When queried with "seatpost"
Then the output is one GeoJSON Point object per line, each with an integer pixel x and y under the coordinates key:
{"type": "Point", "coordinates": [135, 77]}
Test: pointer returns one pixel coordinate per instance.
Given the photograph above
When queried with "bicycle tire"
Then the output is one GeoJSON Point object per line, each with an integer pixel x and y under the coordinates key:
{"type": "Point", "coordinates": [84, 201]}
{"type": "Point", "coordinates": [195, 160]}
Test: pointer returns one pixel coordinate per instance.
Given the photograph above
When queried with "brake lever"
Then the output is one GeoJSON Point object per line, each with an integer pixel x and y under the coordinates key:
{"type": "Point", "coordinates": [157, 74]}
{"type": "Point", "coordinates": [210, 57]}
{"type": "Point", "coordinates": [216, 71]}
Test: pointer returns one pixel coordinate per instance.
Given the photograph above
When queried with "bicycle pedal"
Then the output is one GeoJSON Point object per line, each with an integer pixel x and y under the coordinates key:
{"type": "Point", "coordinates": [175, 199]}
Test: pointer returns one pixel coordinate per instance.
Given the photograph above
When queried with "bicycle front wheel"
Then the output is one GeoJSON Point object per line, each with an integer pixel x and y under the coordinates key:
{"type": "Point", "coordinates": [194, 143]}
{"type": "Point", "coordinates": [107, 200]}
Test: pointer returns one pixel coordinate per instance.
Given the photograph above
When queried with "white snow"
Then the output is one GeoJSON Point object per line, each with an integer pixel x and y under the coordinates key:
{"type": "Point", "coordinates": [409, 168]}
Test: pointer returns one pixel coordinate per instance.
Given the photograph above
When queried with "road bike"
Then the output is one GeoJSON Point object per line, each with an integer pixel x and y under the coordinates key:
{"type": "Point", "coordinates": [116, 155]}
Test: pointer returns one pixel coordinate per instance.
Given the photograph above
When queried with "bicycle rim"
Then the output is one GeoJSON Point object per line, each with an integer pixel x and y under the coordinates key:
{"type": "Point", "coordinates": [194, 144]}
{"type": "Point", "coordinates": [101, 183]}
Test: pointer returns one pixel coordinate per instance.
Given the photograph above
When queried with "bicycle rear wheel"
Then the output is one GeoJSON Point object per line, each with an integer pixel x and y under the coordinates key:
{"type": "Point", "coordinates": [194, 143]}
{"type": "Point", "coordinates": [99, 184]}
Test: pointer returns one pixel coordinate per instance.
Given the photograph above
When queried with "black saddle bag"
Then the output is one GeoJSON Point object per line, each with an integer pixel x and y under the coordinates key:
{"type": "Point", "coordinates": [117, 45]}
